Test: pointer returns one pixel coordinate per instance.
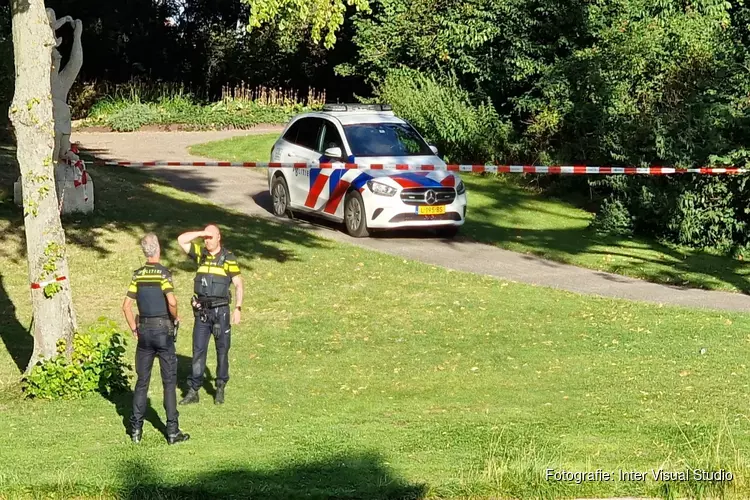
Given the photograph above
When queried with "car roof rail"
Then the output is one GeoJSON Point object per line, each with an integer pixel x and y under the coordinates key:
{"type": "Point", "coordinates": [357, 107]}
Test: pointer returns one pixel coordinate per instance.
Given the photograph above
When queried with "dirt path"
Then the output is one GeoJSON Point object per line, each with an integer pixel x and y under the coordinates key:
{"type": "Point", "coordinates": [247, 191]}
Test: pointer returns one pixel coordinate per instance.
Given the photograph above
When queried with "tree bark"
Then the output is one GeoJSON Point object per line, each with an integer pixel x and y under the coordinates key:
{"type": "Point", "coordinates": [31, 116]}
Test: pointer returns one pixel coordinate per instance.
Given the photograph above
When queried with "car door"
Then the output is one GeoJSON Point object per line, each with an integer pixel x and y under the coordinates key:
{"type": "Point", "coordinates": [303, 139]}
{"type": "Point", "coordinates": [330, 198]}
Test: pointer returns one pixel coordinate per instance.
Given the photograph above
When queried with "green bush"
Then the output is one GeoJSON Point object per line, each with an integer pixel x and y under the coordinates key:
{"type": "Point", "coordinates": [697, 211]}
{"type": "Point", "coordinates": [124, 116]}
{"type": "Point", "coordinates": [129, 107]}
{"type": "Point", "coordinates": [613, 218]}
{"type": "Point", "coordinates": [443, 112]}
{"type": "Point", "coordinates": [133, 117]}
{"type": "Point", "coordinates": [95, 366]}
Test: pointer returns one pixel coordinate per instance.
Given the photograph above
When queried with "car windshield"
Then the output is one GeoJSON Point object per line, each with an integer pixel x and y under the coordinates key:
{"type": "Point", "coordinates": [385, 139]}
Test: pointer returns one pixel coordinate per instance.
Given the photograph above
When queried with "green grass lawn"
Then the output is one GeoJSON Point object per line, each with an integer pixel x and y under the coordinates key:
{"type": "Point", "coordinates": [361, 375]}
{"type": "Point", "coordinates": [503, 213]}
{"type": "Point", "coordinates": [238, 149]}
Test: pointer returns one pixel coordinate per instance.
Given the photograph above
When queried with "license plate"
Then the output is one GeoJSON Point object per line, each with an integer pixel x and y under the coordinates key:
{"type": "Point", "coordinates": [431, 210]}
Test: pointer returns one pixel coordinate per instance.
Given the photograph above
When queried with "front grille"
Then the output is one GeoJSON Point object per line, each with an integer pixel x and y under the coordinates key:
{"type": "Point", "coordinates": [415, 217]}
{"type": "Point", "coordinates": [416, 196]}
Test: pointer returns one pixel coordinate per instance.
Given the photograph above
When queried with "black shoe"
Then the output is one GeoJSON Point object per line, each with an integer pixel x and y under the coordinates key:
{"type": "Point", "coordinates": [219, 399]}
{"type": "Point", "coordinates": [177, 438]}
{"type": "Point", "coordinates": [136, 435]}
{"type": "Point", "coordinates": [192, 397]}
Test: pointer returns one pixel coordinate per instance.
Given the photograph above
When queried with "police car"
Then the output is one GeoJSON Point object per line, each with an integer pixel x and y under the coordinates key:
{"type": "Point", "coordinates": [364, 199]}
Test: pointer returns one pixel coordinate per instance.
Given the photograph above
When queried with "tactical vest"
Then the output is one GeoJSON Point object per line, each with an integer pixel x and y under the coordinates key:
{"type": "Point", "coordinates": [210, 284]}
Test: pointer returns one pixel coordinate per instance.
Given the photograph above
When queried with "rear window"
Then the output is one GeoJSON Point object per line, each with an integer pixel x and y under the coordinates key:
{"type": "Point", "coordinates": [385, 139]}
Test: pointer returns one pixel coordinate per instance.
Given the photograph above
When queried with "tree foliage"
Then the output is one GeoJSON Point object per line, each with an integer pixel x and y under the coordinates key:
{"type": "Point", "coordinates": [602, 82]}
{"type": "Point", "coordinates": [320, 16]}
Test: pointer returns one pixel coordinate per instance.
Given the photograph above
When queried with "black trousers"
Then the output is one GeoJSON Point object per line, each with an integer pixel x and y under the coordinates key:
{"type": "Point", "coordinates": [214, 322]}
{"type": "Point", "coordinates": [155, 341]}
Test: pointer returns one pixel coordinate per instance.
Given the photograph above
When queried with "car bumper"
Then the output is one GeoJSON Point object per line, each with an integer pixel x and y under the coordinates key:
{"type": "Point", "coordinates": [392, 213]}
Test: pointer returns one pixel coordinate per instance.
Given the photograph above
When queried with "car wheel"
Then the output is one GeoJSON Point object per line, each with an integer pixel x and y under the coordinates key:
{"type": "Point", "coordinates": [280, 197]}
{"type": "Point", "coordinates": [448, 232]}
{"type": "Point", "coordinates": [355, 218]}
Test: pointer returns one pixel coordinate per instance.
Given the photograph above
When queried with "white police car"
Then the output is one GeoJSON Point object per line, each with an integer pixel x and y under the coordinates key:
{"type": "Point", "coordinates": [364, 199]}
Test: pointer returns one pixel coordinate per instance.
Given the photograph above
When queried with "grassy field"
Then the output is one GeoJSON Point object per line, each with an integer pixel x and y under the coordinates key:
{"type": "Point", "coordinates": [256, 147]}
{"type": "Point", "coordinates": [505, 214]}
{"type": "Point", "coordinates": [360, 375]}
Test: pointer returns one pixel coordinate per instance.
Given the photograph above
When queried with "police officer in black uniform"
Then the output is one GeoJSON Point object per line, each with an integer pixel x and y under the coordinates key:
{"type": "Point", "coordinates": [217, 270]}
{"type": "Point", "coordinates": [155, 330]}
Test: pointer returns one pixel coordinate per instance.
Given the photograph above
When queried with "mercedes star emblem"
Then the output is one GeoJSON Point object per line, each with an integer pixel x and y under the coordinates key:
{"type": "Point", "coordinates": [430, 197]}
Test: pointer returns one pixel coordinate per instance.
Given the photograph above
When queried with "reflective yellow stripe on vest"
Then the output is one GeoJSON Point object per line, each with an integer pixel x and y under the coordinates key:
{"type": "Point", "coordinates": [204, 269]}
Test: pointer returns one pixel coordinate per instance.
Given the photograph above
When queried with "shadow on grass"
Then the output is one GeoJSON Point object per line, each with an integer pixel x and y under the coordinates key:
{"type": "Point", "coordinates": [679, 269]}
{"type": "Point", "coordinates": [18, 340]}
{"type": "Point", "coordinates": [134, 202]}
{"type": "Point", "coordinates": [184, 370]}
{"type": "Point", "coordinates": [362, 476]}
{"type": "Point", "coordinates": [123, 403]}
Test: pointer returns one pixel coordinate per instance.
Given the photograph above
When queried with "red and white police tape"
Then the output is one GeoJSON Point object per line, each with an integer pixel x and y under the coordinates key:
{"type": "Point", "coordinates": [516, 169]}
{"type": "Point", "coordinates": [43, 284]}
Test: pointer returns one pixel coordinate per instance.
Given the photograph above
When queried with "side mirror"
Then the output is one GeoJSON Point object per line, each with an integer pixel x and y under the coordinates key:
{"type": "Point", "coordinates": [434, 149]}
{"type": "Point", "coordinates": [333, 153]}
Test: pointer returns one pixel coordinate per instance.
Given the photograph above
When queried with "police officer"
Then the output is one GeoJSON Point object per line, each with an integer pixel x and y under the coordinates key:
{"type": "Point", "coordinates": [153, 291]}
{"type": "Point", "coordinates": [217, 270]}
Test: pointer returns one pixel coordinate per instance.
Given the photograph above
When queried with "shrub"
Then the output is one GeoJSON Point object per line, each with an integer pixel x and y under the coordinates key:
{"type": "Point", "coordinates": [128, 107]}
{"type": "Point", "coordinates": [699, 211]}
{"type": "Point", "coordinates": [133, 117]}
{"type": "Point", "coordinates": [613, 218]}
{"type": "Point", "coordinates": [95, 366]}
{"type": "Point", "coordinates": [444, 113]}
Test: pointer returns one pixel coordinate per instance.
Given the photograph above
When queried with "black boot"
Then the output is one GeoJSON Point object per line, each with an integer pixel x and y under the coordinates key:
{"type": "Point", "coordinates": [219, 400]}
{"type": "Point", "coordinates": [179, 437]}
{"type": "Point", "coordinates": [191, 397]}
{"type": "Point", "coordinates": [136, 435]}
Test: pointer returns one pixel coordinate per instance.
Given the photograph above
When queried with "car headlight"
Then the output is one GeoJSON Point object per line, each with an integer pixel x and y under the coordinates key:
{"type": "Point", "coordinates": [380, 188]}
{"type": "Point", "coordinates": [460, 188]}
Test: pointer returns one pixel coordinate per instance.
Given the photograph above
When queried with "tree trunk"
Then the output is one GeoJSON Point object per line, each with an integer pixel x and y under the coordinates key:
{"type": "Point", "coordinates": [31, 115]}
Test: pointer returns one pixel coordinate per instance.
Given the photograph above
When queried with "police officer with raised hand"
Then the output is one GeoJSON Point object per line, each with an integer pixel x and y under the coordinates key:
{"type": "Point", "coordinates": [151, 288]}
{"type": "Point", "coordinates": [217, 270]}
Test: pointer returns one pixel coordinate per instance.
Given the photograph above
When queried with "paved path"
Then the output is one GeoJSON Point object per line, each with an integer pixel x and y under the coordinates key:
{"type": "Point", "coordinates": [247, 191]}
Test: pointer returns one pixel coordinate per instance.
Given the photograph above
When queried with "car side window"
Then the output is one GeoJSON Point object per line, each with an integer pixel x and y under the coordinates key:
{"type": "Point", "coordinates": [291, 134]}
{"type": "Point", "coordinates": [309, 132]}
{"type": "Point", "coordinates": [331, 137]}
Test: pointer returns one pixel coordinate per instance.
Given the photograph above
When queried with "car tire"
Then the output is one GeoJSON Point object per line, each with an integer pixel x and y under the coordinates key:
{"type": "Point", "coordinates": [355, 218]}
{"type": "Point", "coordinates": [448, 232]}
{"type": "Point", "coordinates": [280, 197]}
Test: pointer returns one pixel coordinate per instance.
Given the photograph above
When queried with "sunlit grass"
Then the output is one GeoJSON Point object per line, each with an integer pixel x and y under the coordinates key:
{"type": "Point", "coordinates": [503, 213]}
{"type": "Point", "coordinates": [360, 375]}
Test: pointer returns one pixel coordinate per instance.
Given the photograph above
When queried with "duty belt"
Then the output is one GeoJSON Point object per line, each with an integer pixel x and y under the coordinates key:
{"type": "Point", "coordinates": [212, 302]}
{"type": "Point", "coordinates": [155, 321]}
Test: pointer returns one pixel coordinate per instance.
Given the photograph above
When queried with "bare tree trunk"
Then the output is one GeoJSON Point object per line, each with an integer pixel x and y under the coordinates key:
{"type": "Point", "coordinates": [31, 115]}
